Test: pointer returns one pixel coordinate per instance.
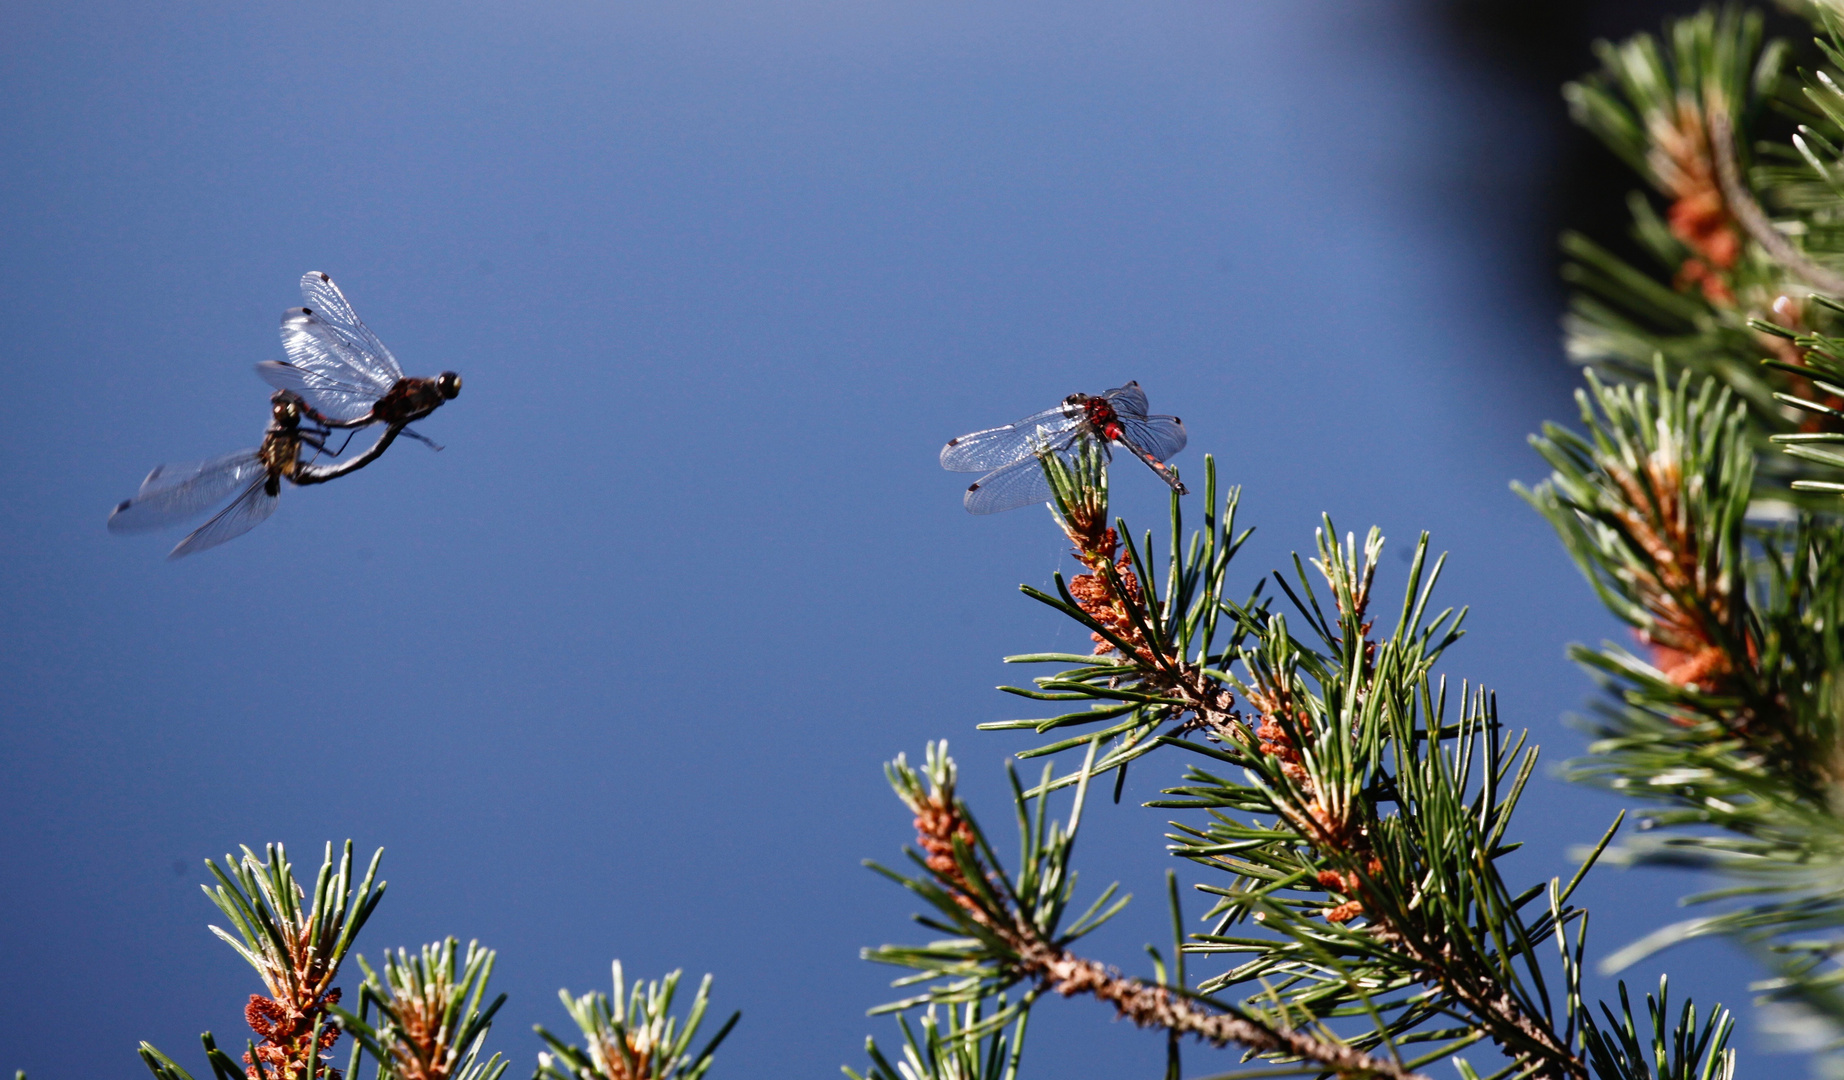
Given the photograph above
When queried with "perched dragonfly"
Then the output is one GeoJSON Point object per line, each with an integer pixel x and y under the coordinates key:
{"type": "Point", "coordinates": [174, 494]}
{"type": "Point", "coordinates": [1009, 455]}
{"type": "Point", "coordinates": [344, 375]}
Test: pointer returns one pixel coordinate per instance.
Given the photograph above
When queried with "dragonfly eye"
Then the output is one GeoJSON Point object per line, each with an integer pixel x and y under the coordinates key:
{"type": "Point", "coordinates": [448, 384]}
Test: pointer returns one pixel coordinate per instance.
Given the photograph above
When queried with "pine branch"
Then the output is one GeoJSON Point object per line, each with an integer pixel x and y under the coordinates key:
{"type": "Point", "coordinates": [1362, 839]}
{"type": "Point", "coordinates": [633, 1035]}
{"type": "Point", "coordinates": [1652, 504]}
{"type": "Point", "coordinates": [1736, 302]}
{"type": "Point", "coordinates": [430, 1025]}
{"type": "Point", "coordinates": [1650, 106]}
{"type": "Point", "coordinates": [1009, 928]}
{"type": "Point", "coordinates": [296, 949]}
{"type": "Point", "coordinates": [1677, 1051]}
{"type": "Point", "coordinates": [1153, 1006]}
{"type": "Point", "coordinates": [971, 1047]}
{"type": "Point", "coordinates": [1748, 213]}
{"type": "Point", "coordinates": [1337, 733]}
{"type": "Point", "coordinates": [1732, 718]}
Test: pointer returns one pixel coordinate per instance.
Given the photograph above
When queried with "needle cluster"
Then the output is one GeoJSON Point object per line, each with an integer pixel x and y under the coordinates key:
{"type": "Point", "coordinates": [1728, 714]}
{"type": "Point", "coordinates": [633, 1034]}
{"type": "Point", "coordinates": [422, 1020]}
{"type": "Point", "coordinates": [1700, 495]}
{"type": "Point", "coordinates": [1347, 811]}
{"type": "Point", "coordinates": [296, 944]}
{"type": "Point", "coordinates": [420, 1016]}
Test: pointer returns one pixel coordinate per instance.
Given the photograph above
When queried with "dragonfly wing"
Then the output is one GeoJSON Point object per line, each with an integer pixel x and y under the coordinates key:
{"type": "Point", "coordinates": [1160, 436]}
{"type": "Point", "coordinates": [342, 363]}
{"type": "Point", "coordinates": [174, 493]}
{"type": "Point", "coordinates": [331, 396]}
{"type": "Point", "coordinates": [995, 448]}
{"type": "Point", "coordinates": [330, 304]}
{"type": "Point", "coordinates": [1019, 484]}
{"type": "Point", "coordinates": [316, 344]}
{"type": "Point", "coordinates": [251, 509]}
{"type": "Point", "coordinates": [1127, 400]}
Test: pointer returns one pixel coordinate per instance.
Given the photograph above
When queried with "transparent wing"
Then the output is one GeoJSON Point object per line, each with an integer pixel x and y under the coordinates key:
{"type": "Point", "coordinates": [1160, 436]}
{"type": "Point", "coordinates": [995, 448]}
{"type": "Point", "coordinates": [1127, 400]}
{"type": "Point", "coordinates": [172, 494]}
{"type": "Point", "coordinates": [330, 395]}
{"type": "Point", "coordinates": [330, 304]}
{"type": "Point", "coordinates": [1019, 484]}
{"type": "Point", "coordinates": [340, 361]}
{"type": "Point", "coordinates": [251, 509]}
{"type": "Point", "coordinates": [314, 343]}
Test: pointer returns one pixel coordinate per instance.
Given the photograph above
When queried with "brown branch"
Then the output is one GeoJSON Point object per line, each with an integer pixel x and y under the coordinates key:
{"type": "Point", "coordinates": [1748, 212]}
{"type": "Point", "coordinates": [1482, 997]}
{"type": "Point", "coordinates": [1485, 997]}
{"type": "Point", "coordinates": [1148, 1005]}
{"type": "Point", "coordinates": [1214, 708]}
{"type": "Point", "coordinates": [942, 826]}
{"type": "Point", "coordinates": [1328, 833]}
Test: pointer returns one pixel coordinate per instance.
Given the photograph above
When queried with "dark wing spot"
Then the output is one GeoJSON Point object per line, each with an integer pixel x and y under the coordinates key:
{"type": "Point", "coordinates": [953, 442]}
{"type": "Point", "coordinates": [323, 277]}
{"type": "Point", "coordinates": [973, 487]}
{"type": "Point", "coordinates": [123, 505]}
{"type": "Point", "coordinates": [307, 311]}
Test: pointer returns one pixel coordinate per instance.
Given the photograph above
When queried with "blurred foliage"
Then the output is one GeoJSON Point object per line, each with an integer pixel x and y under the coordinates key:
{"type": "Point", "coordinates": [1700, 496]}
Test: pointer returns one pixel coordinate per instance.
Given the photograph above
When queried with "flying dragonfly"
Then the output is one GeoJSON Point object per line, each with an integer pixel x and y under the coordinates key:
{"type": "Point", "coordinates": [174, 494]}
{"type": "Point", "coordinates": [1009, 455]}
{"type": "Point", "coordinates": [343, 374]}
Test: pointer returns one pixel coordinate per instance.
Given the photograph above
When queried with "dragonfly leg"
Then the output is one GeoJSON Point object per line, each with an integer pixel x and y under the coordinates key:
{"type": "Point", "coordinates": [424, 439]}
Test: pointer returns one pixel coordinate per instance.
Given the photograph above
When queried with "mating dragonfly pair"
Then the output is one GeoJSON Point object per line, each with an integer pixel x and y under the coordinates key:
{"type": "Point", "coordinates": [1010, 456]}
{"type": "Point", "coordinates": [338, 375]}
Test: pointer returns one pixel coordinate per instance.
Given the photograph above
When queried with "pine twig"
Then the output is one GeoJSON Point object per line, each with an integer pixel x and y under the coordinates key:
{"type": "Point", "coordinates": [1009, 929]}
{"type": "Point", "coordinates": [1149, 1005]}
{"type": "Point", "coordinates": [1341, 740]}
{"type": "Point", "coordinates": [1748, 213]}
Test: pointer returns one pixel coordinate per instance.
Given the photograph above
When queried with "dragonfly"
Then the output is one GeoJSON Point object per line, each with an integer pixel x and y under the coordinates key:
{"type": "Point", "coordinates": [342, 373]}
{"type": "Point", "coordinates": [174, 494]}
{"type": "Point", "coordinates": [1009, 455]}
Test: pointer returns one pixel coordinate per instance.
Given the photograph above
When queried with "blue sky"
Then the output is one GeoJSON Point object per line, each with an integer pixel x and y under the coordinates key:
{"type": "Point", "coordinates": [614, 673]}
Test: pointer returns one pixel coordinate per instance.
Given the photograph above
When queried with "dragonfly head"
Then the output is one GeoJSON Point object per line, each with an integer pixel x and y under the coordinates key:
{"type": "Point", "coordinates": [448, 384]}
{"type": "Point", "coordinates": [287, 412]}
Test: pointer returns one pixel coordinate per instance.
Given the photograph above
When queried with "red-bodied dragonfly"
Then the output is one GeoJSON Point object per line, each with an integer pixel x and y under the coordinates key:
{"type": "Point", "coordinates": [1009, 455]}
{"type": "Point", "coordinates": [174, 494]}
{"type": "Point", "coordinates": [343, 373]}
